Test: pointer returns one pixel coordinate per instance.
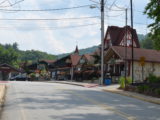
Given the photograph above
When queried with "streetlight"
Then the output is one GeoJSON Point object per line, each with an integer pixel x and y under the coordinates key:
{"type": "Point", "coordinates": [102, 40]}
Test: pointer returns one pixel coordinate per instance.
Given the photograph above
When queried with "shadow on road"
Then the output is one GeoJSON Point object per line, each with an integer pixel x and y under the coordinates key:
{"type": "Point", "coordinates": [82, 104]}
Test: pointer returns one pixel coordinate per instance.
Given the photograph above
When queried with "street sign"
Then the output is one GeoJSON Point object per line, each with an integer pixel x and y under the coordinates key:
{"type": "Point", "coordinates": [142, 61]}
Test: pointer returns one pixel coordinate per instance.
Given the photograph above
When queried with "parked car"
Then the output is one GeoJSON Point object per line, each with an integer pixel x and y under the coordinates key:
{"type": "Point", "coordinates": [60, 77]}
{"type": "Point", "coordinates": [20, 77]}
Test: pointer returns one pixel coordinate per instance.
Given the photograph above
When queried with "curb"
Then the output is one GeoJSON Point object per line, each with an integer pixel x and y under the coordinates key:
{"type": "Point", "coordinates": [2, 94]}
{"type": "Point", "coordinates": [134, 96]}
{"type": "Point", "coordinates": [68, 83]}
{"type": "Point", "coordinates": [76, 84]}
{"type": "Point", "coordinates": [2, 97]}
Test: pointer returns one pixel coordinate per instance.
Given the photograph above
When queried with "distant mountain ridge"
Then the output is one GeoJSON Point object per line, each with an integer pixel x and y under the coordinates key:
{"type": "Point", "coordinates": [93, 48]}
{"type": "Point", "coordinates": [81, 51]}
{"type": "Point", "coordinates": [11, 54]}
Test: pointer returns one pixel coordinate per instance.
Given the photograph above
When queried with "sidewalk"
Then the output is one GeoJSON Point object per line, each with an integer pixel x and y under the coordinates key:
{"type": "Point", "coordinates": [114, 89]}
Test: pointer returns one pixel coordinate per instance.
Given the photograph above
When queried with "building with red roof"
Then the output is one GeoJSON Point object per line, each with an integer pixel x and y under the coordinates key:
{"type": "Point", "coordinates": [6, 71]}
{"type": "Point", "coordinates": [120, 36]}
{"type": "Point", "coordinates": [64, 67]}
{"type": "Point", "coordinates": [116, 58]}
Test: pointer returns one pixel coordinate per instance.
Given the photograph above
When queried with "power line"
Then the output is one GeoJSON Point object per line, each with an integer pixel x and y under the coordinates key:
{"type": "Point", "coordinates": [56, 28]}
{"type": "Point", "coordinates": [115, 15]}
{"type": "Point", "coordinates": [3, 2]}
{"type": "Point", "coordinates": [76, 26]}
{"type": "Point", "coordinates": [121, 20]}
{"type": "Point", "coordinates": [38, 10]}
{"type": "Point", "coordinates": [16, 2]}
{"type": "Point", "coordinates": [112, 4]}
{"type": "Point", "coordinates": [121, 8]}
{"type": "Point", "coordinates": [11, 4]}
{"type": "Point", "coordinates": [94, 1]}
{"type": "Point", "coordinates": [114, 9]}
{"type": "Point", "coordinates": [48, 19]}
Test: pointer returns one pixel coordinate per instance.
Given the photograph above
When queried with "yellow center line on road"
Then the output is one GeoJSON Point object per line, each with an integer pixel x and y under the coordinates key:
{"type": "Point", "coordinates": [105, 106]}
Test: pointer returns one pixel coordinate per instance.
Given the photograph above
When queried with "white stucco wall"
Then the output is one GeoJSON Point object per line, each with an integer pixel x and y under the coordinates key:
{"type": "Point", "coordinates": [148, 68]}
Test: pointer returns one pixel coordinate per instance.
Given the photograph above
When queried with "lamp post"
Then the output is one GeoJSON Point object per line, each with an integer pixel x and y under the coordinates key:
{"type": "Point", "coordinates": [101, 82]}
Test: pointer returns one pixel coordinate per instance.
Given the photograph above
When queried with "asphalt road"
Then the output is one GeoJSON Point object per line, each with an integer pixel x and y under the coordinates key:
{"type": "Point", "coordinates": [53, 101]}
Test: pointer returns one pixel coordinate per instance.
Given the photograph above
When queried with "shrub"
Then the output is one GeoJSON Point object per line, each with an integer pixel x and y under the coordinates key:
{"type": "Point", "coordinates": [143, 88]}
{"type": "Point", "coordinates": [140, 89]}
{"type": "Point", "coordinates": [128, 80]}
{"type": "Point", "coordinates": [153, 79]}
{"type": "Point", "coordinates": [94, 78]}
{"type": "Point", "coordinates": [158, 79]}
{"type": "Point", "coordinates": [122, 82]}
{"type": "Point", "coordinates": [157, 91]}
{"type": "Point", "coordinates": [32, 76]}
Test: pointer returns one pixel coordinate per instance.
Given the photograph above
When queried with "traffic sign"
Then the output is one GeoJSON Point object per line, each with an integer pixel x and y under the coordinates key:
{"type": "Point", "coordinates": [142, 61]}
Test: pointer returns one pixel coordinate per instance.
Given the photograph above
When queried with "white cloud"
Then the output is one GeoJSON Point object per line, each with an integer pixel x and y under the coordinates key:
{"type": "Point", "coordinates": [35, 34]}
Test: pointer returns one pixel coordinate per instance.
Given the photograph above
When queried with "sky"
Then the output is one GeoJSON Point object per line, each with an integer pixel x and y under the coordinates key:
{"type": "Point", "coordinates": [62, 35]}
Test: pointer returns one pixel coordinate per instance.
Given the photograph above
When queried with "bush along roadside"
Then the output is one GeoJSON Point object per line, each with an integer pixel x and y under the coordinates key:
{"type": "Point", "coordinates": [124, 82]}
{"type": "Point", "coordinates": [151, 86]}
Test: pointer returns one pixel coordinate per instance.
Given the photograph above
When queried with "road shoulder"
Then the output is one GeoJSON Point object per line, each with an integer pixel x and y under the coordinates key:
{"type": "Point", "coordinates": [114, 89]}
{"type": "Point", "coordinates": [134, 95]}
{"type": "Point", "coordinates": [2, 94]}
{"type": "Point", "coordinates": [2, 97]}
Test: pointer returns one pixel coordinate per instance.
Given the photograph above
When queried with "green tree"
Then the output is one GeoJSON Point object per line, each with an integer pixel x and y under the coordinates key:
{"type": "Point", "coordinates": [8, 55]}
{"type": "Point", "coordinates": [35, 55]}
{"type": "Point", "coordinates": [153, 11]}
{"type": "Point", "coordinates": [15, 46]}
{"type": "Point", "coordinates": [147, 43]}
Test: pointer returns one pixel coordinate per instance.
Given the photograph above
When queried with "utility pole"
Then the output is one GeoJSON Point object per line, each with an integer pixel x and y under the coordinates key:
{"type": "Point", "coordinates": [132, 41]}
{"type": "Point", "coordinates": [126, 36]}
{"type": "Point", "coordinates": [102, 42]}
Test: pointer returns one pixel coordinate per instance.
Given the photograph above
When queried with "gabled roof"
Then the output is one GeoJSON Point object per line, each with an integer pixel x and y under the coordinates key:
{"type": "Point", "coordinates": [48, 61]}
{"type": "Point", "coordinates": [75, 59]}
{"type": "Point", "coordinates": [89, 57]}
{"type": "Point", "coordinates": [6, 66]}
{"type": "Point", "coordinates": [61, 62]}
{"type": "Point", "coordinates": [150, 55]}
{"type": "Point", "coordinates": [117, 34]}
